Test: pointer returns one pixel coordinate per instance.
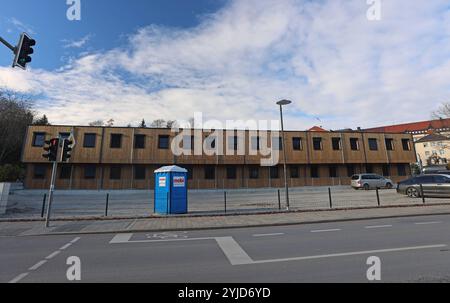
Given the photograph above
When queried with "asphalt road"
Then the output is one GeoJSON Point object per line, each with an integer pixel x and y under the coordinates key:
{"type": "Point", "coordinates": [411, 249]}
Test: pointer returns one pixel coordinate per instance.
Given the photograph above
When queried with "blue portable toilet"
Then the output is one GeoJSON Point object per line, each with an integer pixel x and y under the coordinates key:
{"type": "Point", "coordinates": [171, 190]}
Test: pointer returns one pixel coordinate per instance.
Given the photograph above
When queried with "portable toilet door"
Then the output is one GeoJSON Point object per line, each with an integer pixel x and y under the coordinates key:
{"type": "Point", "coordinates": [170, 190]}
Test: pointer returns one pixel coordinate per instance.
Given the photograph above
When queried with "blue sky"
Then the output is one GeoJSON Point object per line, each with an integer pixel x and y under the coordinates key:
{"type": "Point", "coordinates": [232, 59]}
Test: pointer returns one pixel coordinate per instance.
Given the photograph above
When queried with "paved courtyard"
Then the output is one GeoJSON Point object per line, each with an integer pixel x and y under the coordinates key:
{"type": "Point", "coordinates": [28, 203]}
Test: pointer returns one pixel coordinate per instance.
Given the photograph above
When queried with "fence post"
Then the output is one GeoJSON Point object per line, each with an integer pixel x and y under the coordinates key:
{"type": "Point", "coordinates": [329, 196]}
{"type": "Point", "coordinates": [107, 205]}
{"type": "Point", "coordinates": [421, 193]}
{"type": "Point", "coordinates": [279, 200]}
{"type": "Point", "coordinates": [225, 200]}
{"type": "Point", "coordinates": [43, 205]}
{"type": "Point", "coordinates": [378, 196]}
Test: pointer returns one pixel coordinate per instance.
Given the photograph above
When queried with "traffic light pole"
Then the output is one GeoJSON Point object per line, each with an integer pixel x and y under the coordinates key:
{"type": "Point", "coordinates": [50, 193]}
{"type": "Point", "coordinates": [12, 48]}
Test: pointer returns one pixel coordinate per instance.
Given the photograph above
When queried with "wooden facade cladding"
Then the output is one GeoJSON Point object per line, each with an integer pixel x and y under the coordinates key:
{"type": "Point", "coordinates": [151, 153]}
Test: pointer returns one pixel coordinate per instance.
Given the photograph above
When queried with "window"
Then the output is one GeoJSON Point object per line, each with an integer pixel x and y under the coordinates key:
{"type": "Point", "coordinates": [354, 143]}
{"type": "Point", "coordinates": [314, 171]}
{"type": "Point", "coordinates": [294, 172]}
{"type": "Point", "coordinates": [38, 139]}
{"type": "Point", "coordinates": [116, 141]}
{"type": "Point", "coordinates": [139, 172]}
{"type": "Point", "coordinates": [297, 143]}
{"type": "Point", "coordinates": [277, 143]}
{"type": "Point", "coordinates": [89, 140]}
{"type": "Point", "coordinates": [401, 170]}
{"type": "Point", "coordinates": [424, 179]}
{"type": "Point", "coordinates": [441, 179]}
{"type": "Point", "coordinates": [405, 144]}
{"type": "Point", "coordinates": [255, 142]}
{"type": "Point", "coordinates": [369, 168]}
{"type": "Point", "coordinates": [274, 172]}
{"type": "Point", "coordinates": [373, 144]}
{"type": "Point", "coordinates": [386, 170]}
{"type": "Point", "coordinates": [317, 143]}
{"type": "Point", "coordinates": [233, 143]}
{"type": "Point", "coordinates": [190, 172]}
{"type": "Point", "coordinates": [39, 171]}
{"type": "Point", "coordinates": [64, 135]}
{"type": "Point", "coordinates": [350, 170]}
{"type": "Point", "coordinates": [253, 172]}
{"type": "Point", "coordinates": [90, 171]}
{"type": "Point", "coordinates": [210, 172]}
{"type": "Point", "coordinates": [163, 142]}
{"type": "Point", "coordinates": [333, 171]}
{"type": "Point", "coordinates": [336, 143]}
{"type": "Point", "coordinates": [114, 172]}
{"type": "Point", "coordinates": [231, 172]}
{"type": "Point", "coordinates": [188, 142]}
{"type": "Point", "coordinates": [65, 172]}
{"type": "Point", "coordinates": [389, 144]}
{"type": "Point", "coordinates": [139, 141]}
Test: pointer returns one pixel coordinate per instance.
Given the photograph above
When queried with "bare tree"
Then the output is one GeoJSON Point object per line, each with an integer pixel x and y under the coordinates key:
{"type": "Point", "coordinates": [97, 123]}
{"type": "Point", "coordinates": [171, 124]}
{"type": "Point", "coordinates": [159, 123]}
{"type": "Point", "coordinates": [442, 112]}
{"type": "Point", "coordinates": [15, 115]}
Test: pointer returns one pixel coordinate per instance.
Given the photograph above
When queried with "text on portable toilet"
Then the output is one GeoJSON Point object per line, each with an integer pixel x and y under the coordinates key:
{"type": "Point", "coordinates": [178, 181]}
{"type": "Point", "coordinates": [162, 181]}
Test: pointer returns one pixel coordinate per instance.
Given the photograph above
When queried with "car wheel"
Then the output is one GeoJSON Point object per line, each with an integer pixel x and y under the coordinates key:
{"type": "Point", "coordinates": [388, 185]}
{"type": "Point", "coordinates": [366, 187]}
{"type": "Point", "coordinates": [412, 192]}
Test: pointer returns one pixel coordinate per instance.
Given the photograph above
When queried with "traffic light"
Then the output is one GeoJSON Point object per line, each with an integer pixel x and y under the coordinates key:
{"type": "Point", "coordinates": [51, 149]}
{"type": "Point", "coordinates": [66, 150]}
{"type": "Point", "coordinates": [24, 50]}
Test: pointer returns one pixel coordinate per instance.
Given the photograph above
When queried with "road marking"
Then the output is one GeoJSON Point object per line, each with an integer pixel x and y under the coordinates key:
{"type": "Point", "coordinates": [233, 251]}
{"type": "Point", "coordinates": [125, 238]}
{"type": "Point", "coordinates": [377, 226]}
{"type": "Point", "coordinates": [42, 262]}
{"type": "Point", "coordinates": [351, 253]}
{"type": "Point", "coordinates": [18, 278]}
{"type": "Point", "coordinates": [325, 230]}
{"type": "Point", "coordinates": [268, 235]}
{"type": "Point", "coordinates": [121, 238]}
{"type": "Point", "coordinates": [54, 254]}
{"type": "Point", "coordinates": [426, 223]}
{"type": "Point", "coordinates": [37, 265]}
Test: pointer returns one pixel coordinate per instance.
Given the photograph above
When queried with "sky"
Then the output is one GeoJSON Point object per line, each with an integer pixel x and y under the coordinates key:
{"type": "Point", "coordinates": [232, 60]}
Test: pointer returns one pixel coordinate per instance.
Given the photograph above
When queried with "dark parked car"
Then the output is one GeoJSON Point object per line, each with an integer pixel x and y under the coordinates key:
{"type": "Point", "coordinates": [433, 185]}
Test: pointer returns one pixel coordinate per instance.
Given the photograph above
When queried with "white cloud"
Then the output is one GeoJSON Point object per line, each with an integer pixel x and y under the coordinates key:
{"type": "Point", "coordinates": [77, 43]}
{"type": "Point", "coordinates": [21, 26]}
{"type": "Point", "coordinates": [325, 56]}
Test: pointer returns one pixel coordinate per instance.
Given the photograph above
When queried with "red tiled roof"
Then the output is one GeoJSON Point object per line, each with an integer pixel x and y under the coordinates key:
{"type": "Point", "coordinates": [412, 127]}
{"type": "Point", "coordinates": [317, 129]}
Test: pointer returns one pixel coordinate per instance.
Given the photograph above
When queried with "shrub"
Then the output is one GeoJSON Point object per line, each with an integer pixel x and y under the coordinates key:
{"type": "Point", "coordinates": [11, 173]}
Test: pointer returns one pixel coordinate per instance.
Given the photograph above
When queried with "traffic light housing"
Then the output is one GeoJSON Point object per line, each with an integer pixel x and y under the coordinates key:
{"type": "Point", "coordinates": [24, 50]}
{"type": "Point", "coordinates": [51, 149]}
{"type": "Point", "coordinates": [66, 150]}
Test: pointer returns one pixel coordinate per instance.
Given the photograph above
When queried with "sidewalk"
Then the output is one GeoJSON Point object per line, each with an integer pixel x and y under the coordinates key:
{"type": "Point", "coordinates": [31, 228]}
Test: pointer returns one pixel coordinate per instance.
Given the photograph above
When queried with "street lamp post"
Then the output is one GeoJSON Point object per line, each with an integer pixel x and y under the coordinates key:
{"type": "Point", "coordinates": [281, 104]}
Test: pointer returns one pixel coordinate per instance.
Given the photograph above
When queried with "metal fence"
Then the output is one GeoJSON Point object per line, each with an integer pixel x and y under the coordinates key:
{"type": "Point", "coordinates": [33, 203]}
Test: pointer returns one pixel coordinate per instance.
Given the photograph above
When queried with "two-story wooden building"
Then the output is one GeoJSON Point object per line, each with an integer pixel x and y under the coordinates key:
{"type": "Point", "coordinates": [125, 158]}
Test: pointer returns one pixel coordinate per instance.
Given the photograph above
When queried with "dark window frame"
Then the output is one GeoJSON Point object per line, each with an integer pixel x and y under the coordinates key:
{"type": "Point", "coordinates": [336, 143]}
{"type": "Point", "coordinates": [231, 172]}
{"type": "Point", "coordinates": [354, 144]}
{"type": "Point", "coordinates": [406, 147]}
{"type": "Point", "coordinates": [87, 169]}
{"type": "Point", "coordinates": [139, 141]}
{"type": "Point", "coordinates": [115, 144]}
{"type": "Point", "coordinates": [274, 172]}
{"type": "Point", "coordinates": [85, 140]}
{"type": "Point", "coordinates": [37, 174]}
{"type": "Point", "coordinates": [389, 144]}
{"type": "Point", "coordinates": [163, 146]}
{"type": "Point", "coordinates": [253, 172]}
{"type": "Point", "coordinates": [317, 140]}
{"type": "Point", "coordinates": [140, 172]}
{"type": "Point", "coordinates": [65, 172]}
{"type": "Point", "coordinates": [314, 170]}
{"type": "Point", "coordinates": [373, 144]}
{"type": "Point", "coordinates": [333, 171]}
{"type": "Point", "coordinates": [115, 172]}
{"type": "Point", "coordinates": [294, 172]}
{"type": "Point", "coordinates": [297, 143]}
{"type": "Point", "coordinates": [210, 172]}
{"type": "Point", "coordinates": [35, 136]}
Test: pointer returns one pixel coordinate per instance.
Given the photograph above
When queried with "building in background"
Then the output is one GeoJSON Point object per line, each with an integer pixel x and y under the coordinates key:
{"type": "Point", "coordinates": [125, 158]}
{"type": "Point", "coordinates": [431, 139]}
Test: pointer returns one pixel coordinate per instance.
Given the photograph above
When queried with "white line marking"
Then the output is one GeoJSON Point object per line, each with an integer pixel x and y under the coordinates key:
{"type": "Point", "coordinates": [54, 254]}
{"type": "Point", "coordinates": [377, 226]}
{"type": "Point", "coordinates": [121, 238]}
{"type": "Point", "coordinates": [18, 278]}
{"type": "Point", "coordinates": [425, 223]}
{"type": "Point", "coordinates": [75, 240]}
{"type": "Point", "coordinates": [325, 230]}
{"type": "Point", "coordinates": [350, 253]}
{"type": "Point", "coordinates": [268, 235]}
{"type": "Point", "coordinates": [37, 265]}
{"type": "Point", "coordinates": [65, 246]}
{"type": "Point", "coordinates": [235, 254]}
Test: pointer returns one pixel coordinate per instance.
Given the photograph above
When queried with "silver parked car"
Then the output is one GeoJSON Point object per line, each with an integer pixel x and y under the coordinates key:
{"type": "Point", "coordinates": [368, 181]}
{"type": "Point", "coordinates": [437, 185]}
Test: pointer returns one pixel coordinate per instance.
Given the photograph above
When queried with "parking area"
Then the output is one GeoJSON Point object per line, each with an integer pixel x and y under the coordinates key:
{"type": "Point", "coordinates": [29, 203]}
